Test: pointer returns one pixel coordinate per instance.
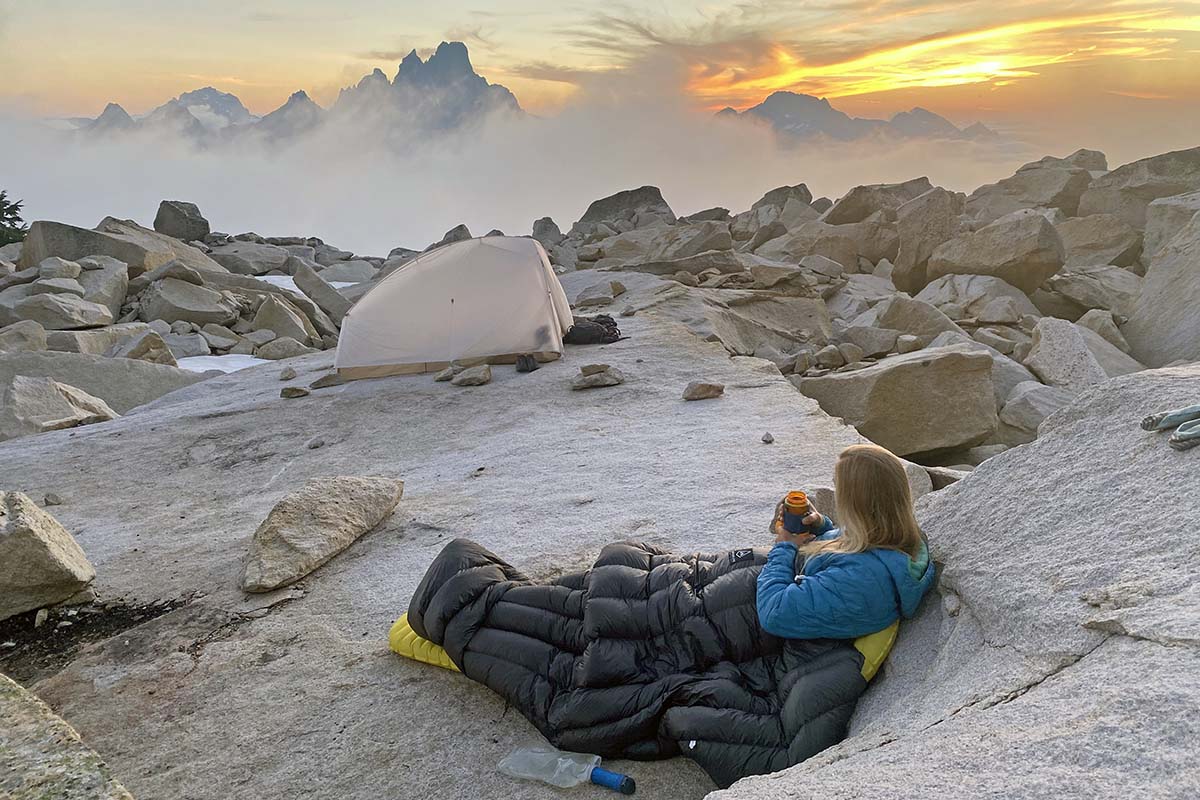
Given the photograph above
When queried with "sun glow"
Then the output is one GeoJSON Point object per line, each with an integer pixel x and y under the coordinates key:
{"type": "Point", "coordinates": [998, 55]}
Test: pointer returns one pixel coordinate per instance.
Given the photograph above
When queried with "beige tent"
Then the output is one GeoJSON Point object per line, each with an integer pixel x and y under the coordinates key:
{"type": "Point", "coordinates": [488, 299]}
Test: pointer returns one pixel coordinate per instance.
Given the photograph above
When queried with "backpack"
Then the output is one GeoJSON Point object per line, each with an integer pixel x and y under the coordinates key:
{"type": "Point", "coordinates": [601, 329]}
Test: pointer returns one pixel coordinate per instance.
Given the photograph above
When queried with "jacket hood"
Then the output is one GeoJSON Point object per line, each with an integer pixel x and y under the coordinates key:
{"type": "Point", "coordinates": [909, 590]}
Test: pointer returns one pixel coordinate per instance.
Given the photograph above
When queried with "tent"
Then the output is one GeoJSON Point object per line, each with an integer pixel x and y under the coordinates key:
{"type": "Point", "coordinates": [488, 299]}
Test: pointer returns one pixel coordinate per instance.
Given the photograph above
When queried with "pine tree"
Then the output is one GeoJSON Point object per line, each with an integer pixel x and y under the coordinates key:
{"type": "Point", "coordinates": [12, 227]}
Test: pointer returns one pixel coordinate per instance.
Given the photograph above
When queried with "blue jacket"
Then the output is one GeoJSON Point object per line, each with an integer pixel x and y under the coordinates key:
{"type": "Point", "coordinates": [839, 595]}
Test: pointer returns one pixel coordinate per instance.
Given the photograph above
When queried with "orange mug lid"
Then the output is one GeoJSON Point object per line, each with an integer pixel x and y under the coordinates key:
{"type": "Point", "coordinates": [796, 499]}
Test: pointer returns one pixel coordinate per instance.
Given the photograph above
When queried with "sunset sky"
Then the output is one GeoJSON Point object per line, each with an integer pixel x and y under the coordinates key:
{"type": "Point", "coordinates": [1005, 63]}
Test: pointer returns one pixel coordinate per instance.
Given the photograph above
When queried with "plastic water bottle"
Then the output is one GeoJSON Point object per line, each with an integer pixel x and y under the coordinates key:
{"type": "Point", "coordinates": [541, 762]}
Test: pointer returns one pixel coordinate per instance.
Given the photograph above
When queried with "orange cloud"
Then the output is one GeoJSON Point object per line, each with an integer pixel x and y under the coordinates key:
{"type": "Point", "coordinates": [999, 55]}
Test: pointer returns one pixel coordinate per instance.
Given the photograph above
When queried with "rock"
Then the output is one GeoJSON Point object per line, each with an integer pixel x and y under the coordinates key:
{"type": "Point", "coordinates": [640, 208]}
{"type": "Point", "coordinates": [307, 528]}
{"type": "Point", "coordinates": [173, 300]}
{"type": "Point", "coordinates": [859, 292]}
{"type": "Point", "coordinates": [703, 390]}
{"type": "Point", "coordinates": [645, 249]}
{"type": "Point", "coordinates": [61, 312]}
{"type": "Point", "coordinates": [547, 232]}
{"type": "Point", "coordinates": [1023, 250]}
{"type": "Point", "coordinates": [871, 340]}
{"type": "Point", "coordinates": [43, 755]}
{"type": "Point", "coordinates": [19, 278]}
{"type": "Point", "coordinates": [126, 241]}
{"type": "Point", "coordinates": [1031, 402]}
{"type": "Point", "coordinates": [779, 196]}
{"type": "Point", "coordinates": [1163, 325]}
{"type": "Point", "coordinates": [349, 272]}
{"type": "Point", "coordinates": [1033, 186]}
{"type": "Point", "coordinates": [991, 338]}
{"type": "Point", "coordinates": [283, 347]}
{"type": "Point", "coordinates": [287, 374]}
{"type": "Point", "coordinates": [851, 353]}
{"type": "Point", "coordinates": [327, 380]}
{"type": "Point", "coordinates": [122, 383]}
{"type": "Point", "coordinates": [1165, 217]}
{"type": "Point", "coordinates": [144, 346]}
{"type": "Point", "coordinates": [595, 376]}
{"type": "Point", "coordinates": [321, 293]}
{"type": "Point", "coordinates": [293, 392]}
{"type": "Point", "coordinates": [56, 286]}
{"type": "Point", "coordinates": [219, 342]}
{"type": "Point", "coordinates": [171, 269]}
{"type": "Point", "coordinates": [1099, 239]}
{"type": "Point", "coordinates": [1102, 322]}
{"type": "Point", "coordinates": [445, 374]}
{"type": "Point", "coordinates": [181, 220]}
{"type": "Point", "coordinates": [326, 255]}
{"type": "Point", "coordinates": [51, 499]}
{"type": "Point", "coordinates": [1105, 287]}
{"type": "Point", "coordinates": [473, 376]}
{"type": "Point", "coordinates": [1091, 160]}
{"type": "Point", "coordinates": [1061, 357]}
{"type": "Point", "coordinates": [1111, 359]}
{"type": "Point", "coordinates": [767, 438]}
{"type": "Point", "coordinates": [600, 294]}
{"type": "Point", "coordinates": [259, 337]}
{"type": "Point", "coordinates": [910, 316]}
{"type": "Point", "coordinates": [40, 563]}
{"type": "Point", "coordinates": [276, 315]}
{"type": "Point", "coordinates": [903, 402]}
{"type": "Point", "coordinates": [97, 341]}
{"type": "Point", "coordinates": [55, 267]}
{"type": "Point", "coordinates": [459, 233]}
{"type": "Point", "coordinates": [1006, 372]}
{"type": "Point", "coordinates": [186, 345]}
{"type": "Point", "coordinates": [21, 337]}
{"type": "Point", "coordinates": [249, 258]}
{"type": "Point", "coordinates": [907, 343]}
{"type": "Point", "coordinates": [863, 201]}
{"type": "Point", "coordinates": [1128, 190]}
{"type": "Point", "coordinates": [973, 293]}
{"type": "Point", "coordinates": [37, 405]}
{"type": "Point", "coordinates": [834, 242]}
{"type": "Point", "coordinates": [829, 357]}
{"type": "Point", "coordinates": [1001, 311]}
{"type": "Point", "coordinates": [105, 281]}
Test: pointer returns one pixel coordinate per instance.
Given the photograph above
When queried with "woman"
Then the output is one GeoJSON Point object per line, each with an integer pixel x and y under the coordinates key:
{"type": "Point", "coordinates": [857, 578]}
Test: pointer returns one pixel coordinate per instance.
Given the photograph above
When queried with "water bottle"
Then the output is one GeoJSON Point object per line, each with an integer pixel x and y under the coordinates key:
{"type": "Point", "coordinates": [795, 508]}
{"type": "Point", "coordinates": [541, 762]}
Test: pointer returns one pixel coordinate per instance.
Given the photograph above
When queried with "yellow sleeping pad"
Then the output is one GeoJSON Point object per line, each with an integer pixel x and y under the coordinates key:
{"type": "Point", "coordinates": [875, 648]}
{"type": "Point", "coordinates": [404, 641]}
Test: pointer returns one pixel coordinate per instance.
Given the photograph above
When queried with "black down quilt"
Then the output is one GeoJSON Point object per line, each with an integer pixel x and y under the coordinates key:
{"type": "Point", "coordinates": [646, 655]}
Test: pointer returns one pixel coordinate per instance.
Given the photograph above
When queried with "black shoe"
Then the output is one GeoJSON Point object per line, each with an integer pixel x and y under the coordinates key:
{"type": "Point", "coordinates": [527, 363]}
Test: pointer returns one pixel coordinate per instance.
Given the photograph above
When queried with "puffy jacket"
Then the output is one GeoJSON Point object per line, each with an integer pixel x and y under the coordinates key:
{"type": "Point", "coordinates": [839, 595]}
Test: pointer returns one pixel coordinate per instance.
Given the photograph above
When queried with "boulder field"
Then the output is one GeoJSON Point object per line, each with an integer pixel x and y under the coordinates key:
{"type": "Point", "coordinates": [232, 548]}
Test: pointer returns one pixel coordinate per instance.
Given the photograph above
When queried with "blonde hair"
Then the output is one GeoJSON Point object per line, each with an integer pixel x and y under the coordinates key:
{"type": "Point", "coordinates": [874, 504]}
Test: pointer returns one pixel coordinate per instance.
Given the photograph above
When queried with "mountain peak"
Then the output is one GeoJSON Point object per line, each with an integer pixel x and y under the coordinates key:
{"type": "Point", "coordinates": [450, 62]}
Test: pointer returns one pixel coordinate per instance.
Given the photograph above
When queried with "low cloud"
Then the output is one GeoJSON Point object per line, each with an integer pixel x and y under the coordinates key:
{"type": "Point", "coordinates": [344, 187]}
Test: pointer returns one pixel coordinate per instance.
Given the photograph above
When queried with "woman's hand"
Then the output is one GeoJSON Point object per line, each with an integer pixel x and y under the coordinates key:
{"type": "Point", "coordinates": [782, 534]}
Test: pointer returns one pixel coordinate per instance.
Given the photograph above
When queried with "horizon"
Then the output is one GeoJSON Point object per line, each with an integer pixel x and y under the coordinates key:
{"type": "Point", "coordinates": [1114, 77]}
{"type": "Point", "coordinates": [1002, 67]}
